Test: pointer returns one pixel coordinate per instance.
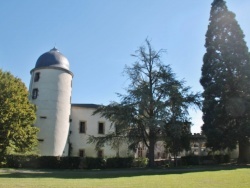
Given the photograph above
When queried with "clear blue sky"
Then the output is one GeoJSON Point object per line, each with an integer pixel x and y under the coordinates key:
{"type": "Point", "coordinates": [98, 36]}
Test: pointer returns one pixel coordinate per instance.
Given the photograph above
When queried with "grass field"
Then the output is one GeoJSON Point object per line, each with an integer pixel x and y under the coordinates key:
{"type": "Point", "coordinates": [219, 176]}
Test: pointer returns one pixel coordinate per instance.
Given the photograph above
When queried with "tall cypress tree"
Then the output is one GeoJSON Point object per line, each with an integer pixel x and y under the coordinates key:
{"type": "Point", "coordinates": [226, 82]}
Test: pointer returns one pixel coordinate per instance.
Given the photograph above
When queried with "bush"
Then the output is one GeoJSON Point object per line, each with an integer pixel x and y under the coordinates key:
{"type": "Point", "coordinates": [190, 160]}
{"type": "Point", "coordinates": [70, 162]}
{"type": "Point", "coordinates": [221, 158]}
{"type": "Point", "coordinates": [140, 162]}
{"type": "Point", "coordinates": [49, 162]}
{"type": "Point", "coordinates": [94, 163]}
{"type": "Point", "coordinates": [21, 161]}
{"type": "Point", "coordinates": [206, 160]}
{"type": "Point", "coordinates": [163, 163]}
{"type": "Point", "coordinates": [119, 162]}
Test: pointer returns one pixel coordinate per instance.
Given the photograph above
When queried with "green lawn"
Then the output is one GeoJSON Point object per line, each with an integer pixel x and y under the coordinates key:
{"type": "Point", "coordinates": [149, 178]}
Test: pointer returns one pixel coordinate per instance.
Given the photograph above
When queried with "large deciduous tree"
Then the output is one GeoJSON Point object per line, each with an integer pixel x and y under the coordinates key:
{"type": "Point", "coordinates": [155, 103]}
{"type": "Point", "coordinates": [226, 82]}
{"type": "Point", "coordinates": [17, 115]}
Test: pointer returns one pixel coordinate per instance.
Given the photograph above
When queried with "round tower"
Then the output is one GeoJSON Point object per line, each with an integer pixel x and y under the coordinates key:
{"type": "Point", "coordinates": [50, 90]}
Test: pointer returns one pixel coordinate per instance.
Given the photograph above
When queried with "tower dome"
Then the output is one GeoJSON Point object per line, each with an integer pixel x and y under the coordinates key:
{"type": "Point", "coordinates": [52, 58]}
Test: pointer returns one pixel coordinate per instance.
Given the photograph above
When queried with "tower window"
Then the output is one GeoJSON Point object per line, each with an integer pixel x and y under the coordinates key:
{"type": "Point", "coordinates": [100, 128]}
{"type": "Point", "coordinates": [37, 76]}
{"type": "Point", "coordinates": [34, 93]}
{"type": "Point", "coordinates": [82, 127]}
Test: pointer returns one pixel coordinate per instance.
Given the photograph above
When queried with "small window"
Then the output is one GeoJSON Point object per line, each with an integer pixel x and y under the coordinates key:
{"type": "Point", "coordinates": [40, 140]}
{"type": "Point", "coordinates": [43, 117]}
{"type": "Point", "coordinates": [81, 153]}
{"type": "Point", "coordinates": [82, 127]}
{"type": "Point", "coordinates": [100, 154]}
{"type": "Point", "coordinates": [37, 76]}
{"type": "Point", "coordinates": [158, 155]}
{"type": "Point", "coordinates": [139, 152]}
{"type": "Point", "coordinates": [34, 93]}
{"type": "Point", "coordinates": [100, 128]}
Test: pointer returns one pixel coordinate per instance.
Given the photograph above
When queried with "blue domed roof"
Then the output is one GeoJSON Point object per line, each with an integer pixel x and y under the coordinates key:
{"type": "Point", "coordinates": [52, 58]}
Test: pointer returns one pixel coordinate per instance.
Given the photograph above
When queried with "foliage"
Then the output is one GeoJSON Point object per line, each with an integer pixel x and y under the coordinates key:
{"type": "Point", "coordinates": [118, 162]}
{"type": "Point", "coordinates": [54, 162]}
{"type": "Point", "coordinates": [226, 82]}
{"type": "Point", "coordinates": [205, 160]}
{"type": "Point", "coordinates": [17, 115]}
{"type": "Point", "coordinates": [94, 163]}
{"type": "Point", "coordinates": [178, 138]}
{"type": "Point", "coordinates": [49, 162]}
{"type": "Point", "coordinates": [140, 162]}
{"type": "Point", "coordinates": [22, 161]}
{"type": "Point", "coordinates": [155, 102]}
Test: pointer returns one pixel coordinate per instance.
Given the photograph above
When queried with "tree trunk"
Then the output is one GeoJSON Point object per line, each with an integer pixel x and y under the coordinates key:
{"type": "Point", "coordinates": [151, 154]}
{"type": "Point", "coordinates": [244, 152]}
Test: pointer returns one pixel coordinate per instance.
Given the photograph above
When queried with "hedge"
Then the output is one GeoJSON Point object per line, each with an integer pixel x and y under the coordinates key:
{"type": "Point", "coordinates": [205, 160]}
{"type": "Point", "coordinates": [119, 162]}
{"type": "Point", "coordinates": [51, 162]}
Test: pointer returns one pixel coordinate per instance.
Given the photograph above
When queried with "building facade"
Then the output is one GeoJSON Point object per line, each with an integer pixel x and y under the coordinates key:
{"type": "Point", "coordinates": [84, 124]}
{"type": "Point", "coordinates": [65, 127]}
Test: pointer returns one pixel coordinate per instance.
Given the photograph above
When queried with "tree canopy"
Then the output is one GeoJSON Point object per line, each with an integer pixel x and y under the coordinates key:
{"type": "Point", "coordinates": [17, 116]}
{"type": "Point", "coordinates": [226, 82]}
{"type": "Point", "coordinates": [155, 103]}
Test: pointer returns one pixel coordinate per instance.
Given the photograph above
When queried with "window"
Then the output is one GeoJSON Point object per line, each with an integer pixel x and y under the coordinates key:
{"type": "Point", "coordinates": [37, 76]}
{"type": "Point", "coordinates": [81, 153]}
{"type": "Point", "coordinates": [139, 152]}
{"type": "Point", "coordinates": [164, 155]}
{"type": "Point", "coordinates": [158, 155]}
{"type": "Point", "coordinates": [34, 93]}
{"type": "Point", "coordinates": [100, 128]}
{"type": "Point", "coordinates": [100, 154]}
{"type": "Point", "coordinates": [82, 127]}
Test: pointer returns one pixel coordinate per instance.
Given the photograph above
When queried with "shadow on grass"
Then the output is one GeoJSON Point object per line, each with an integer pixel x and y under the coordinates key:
{"type": "Point", "coordinates": [112, 173]}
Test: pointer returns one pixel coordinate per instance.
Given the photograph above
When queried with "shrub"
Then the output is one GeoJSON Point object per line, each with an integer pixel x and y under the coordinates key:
{"type": "Point", "coordinates": [119, 162]}
{"type": "Point", "coordinates": [190, 160]}
{"type": "Point", "coordinates": [206, 160]}
{"type": "Point", "coordinates": [163, 163]}
{"type": "Point", "coordinates": [94, 163]}
{"type": "Point", "coordinates": [21, 161]}
{"type": "Point", "coordinates": [50, 162]}
{"type": "Point", "coordinates": [140, 162]}
{"type": "Point", "coordinates": [70, 162]}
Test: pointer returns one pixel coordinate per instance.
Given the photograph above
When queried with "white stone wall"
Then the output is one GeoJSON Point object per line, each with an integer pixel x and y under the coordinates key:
{"type": "Point", "coordinates": [53, 109]}
{"type": "Point", "coordinates": [79, 141]}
